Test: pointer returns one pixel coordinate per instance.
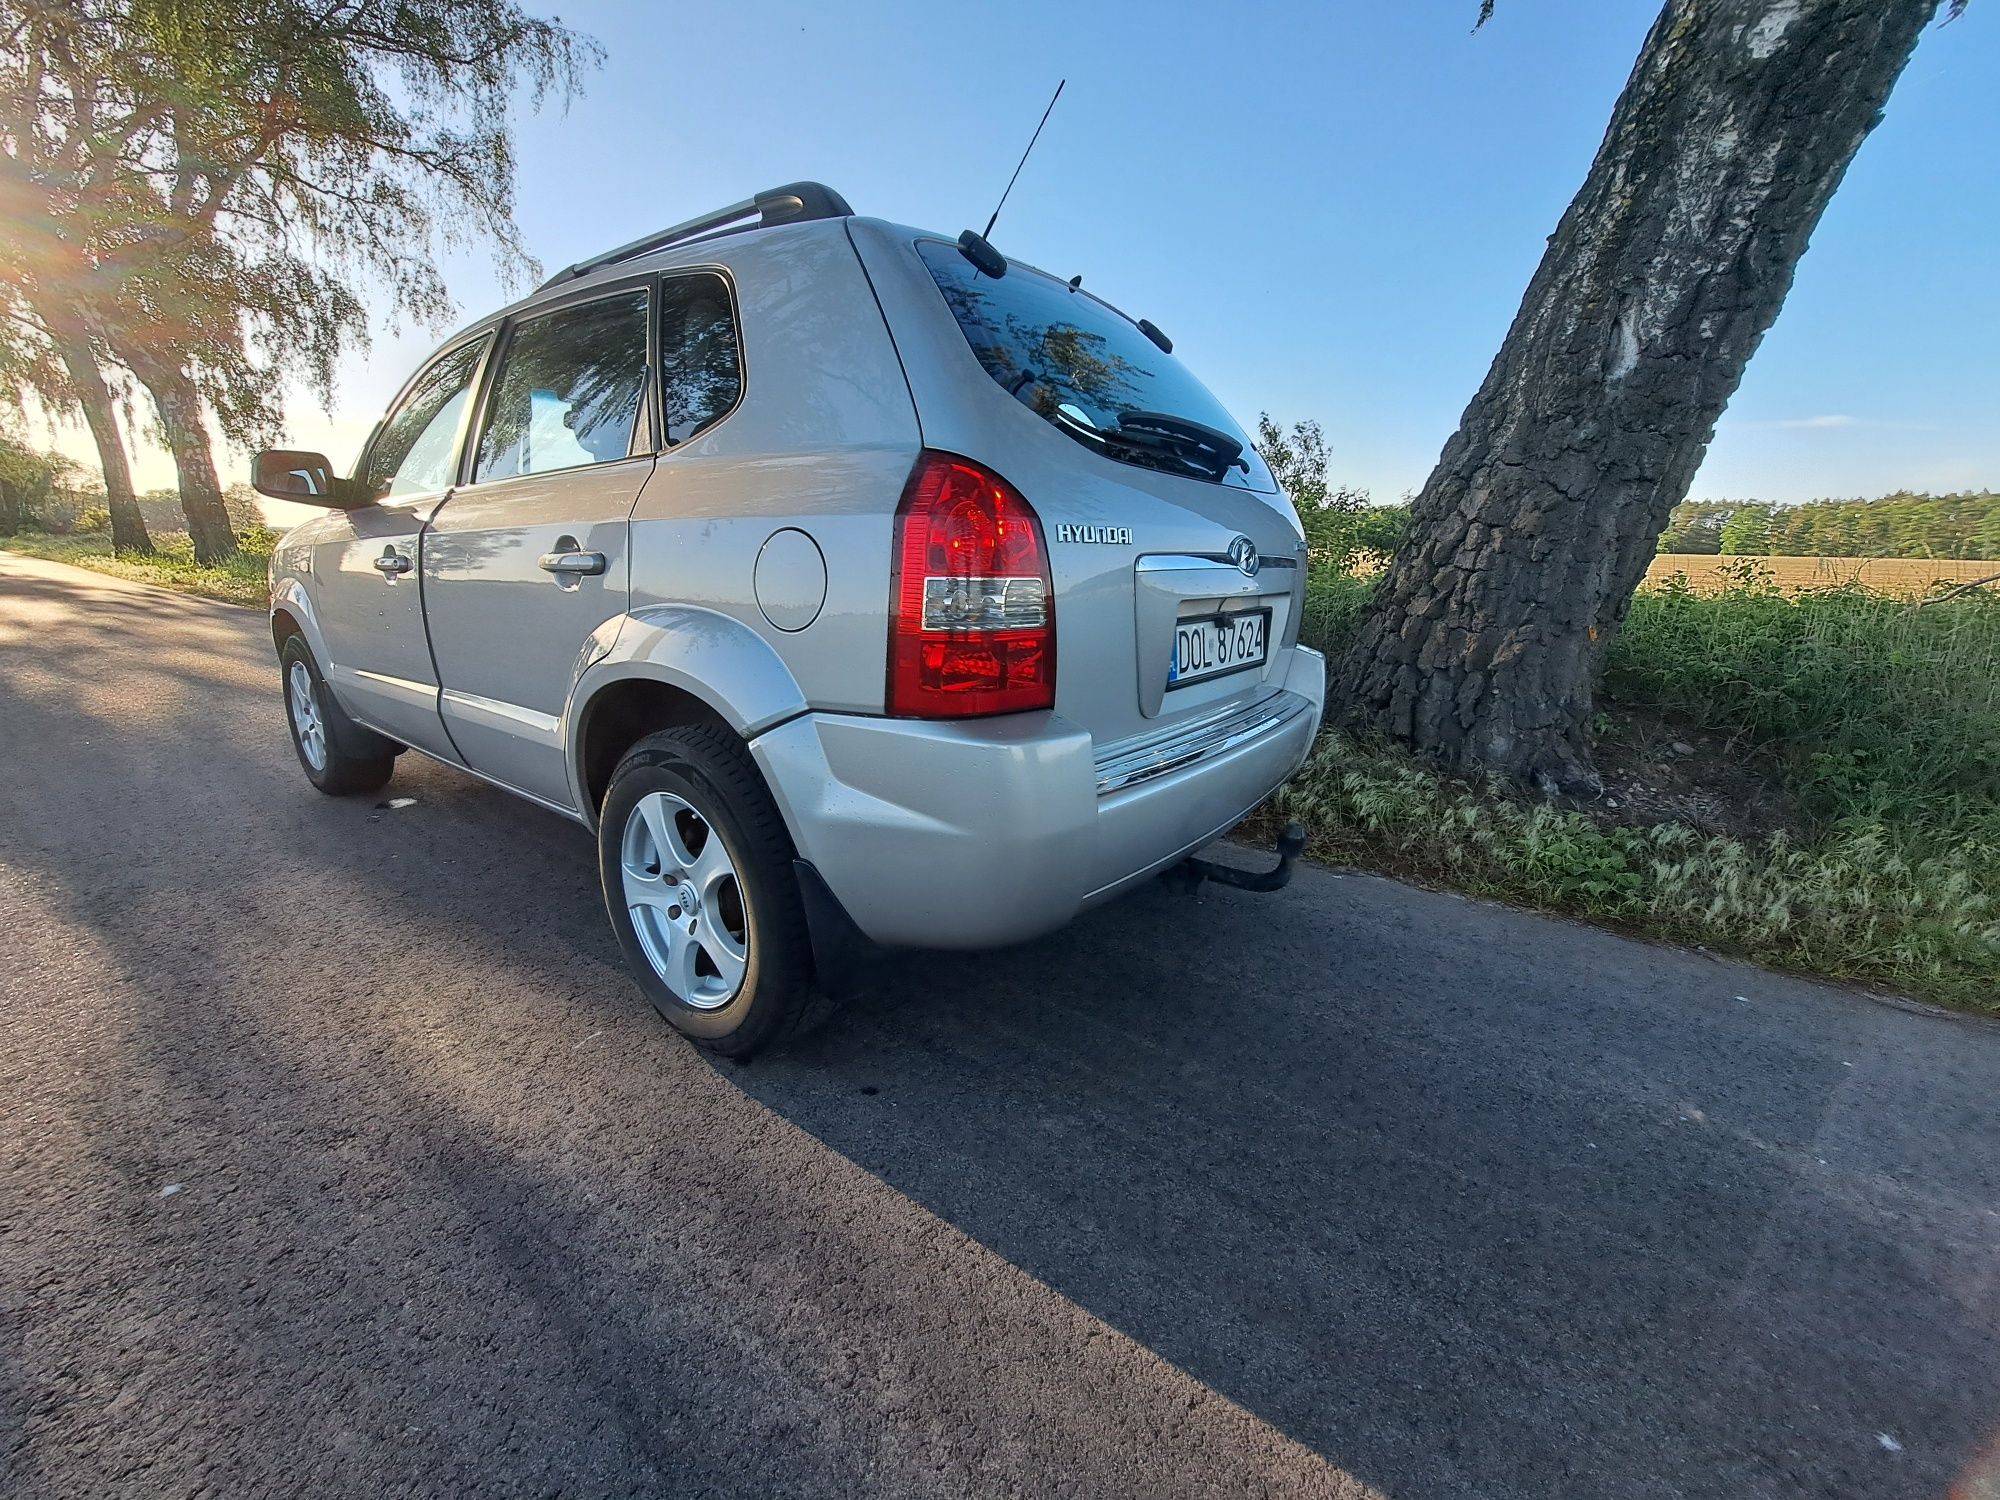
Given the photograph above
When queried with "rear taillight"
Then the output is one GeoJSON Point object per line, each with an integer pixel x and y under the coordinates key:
{"type": "Point", "coordinates": [972, 628]}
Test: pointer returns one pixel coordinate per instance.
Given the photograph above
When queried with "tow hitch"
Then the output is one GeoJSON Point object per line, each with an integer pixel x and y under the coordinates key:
{"type": "Point", "coordinates": [1191, 872]}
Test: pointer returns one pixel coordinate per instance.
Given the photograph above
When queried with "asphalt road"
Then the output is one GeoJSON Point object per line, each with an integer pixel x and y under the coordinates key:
{"type": "Point", "coordinates": [337, 1157]}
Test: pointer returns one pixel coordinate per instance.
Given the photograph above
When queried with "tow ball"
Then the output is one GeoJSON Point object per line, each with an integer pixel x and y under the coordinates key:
{"type": "Point", "coordinates": [1189, 874]}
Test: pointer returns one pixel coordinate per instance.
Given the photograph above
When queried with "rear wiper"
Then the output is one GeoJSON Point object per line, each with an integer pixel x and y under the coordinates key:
{"type": "Point", "coordinates": [1156, 446]}
{"type": "Point", "coordinates": [1148, 442]}
{"type": "Point", "coordinates": [1211, 443]}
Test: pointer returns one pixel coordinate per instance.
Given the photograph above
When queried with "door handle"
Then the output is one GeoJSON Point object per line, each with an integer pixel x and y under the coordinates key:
{"type": "Point", "coordinates": [392, 564]}
{"type": "Point", "coordinates": [572, 564]}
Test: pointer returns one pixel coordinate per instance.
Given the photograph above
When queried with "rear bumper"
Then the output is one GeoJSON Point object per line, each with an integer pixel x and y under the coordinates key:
{"type": "Point", "coordinates": [972, 835]}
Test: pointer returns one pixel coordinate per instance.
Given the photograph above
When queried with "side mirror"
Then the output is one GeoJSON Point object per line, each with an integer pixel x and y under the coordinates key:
{"type": "Point", "coordinates": [304, 478]}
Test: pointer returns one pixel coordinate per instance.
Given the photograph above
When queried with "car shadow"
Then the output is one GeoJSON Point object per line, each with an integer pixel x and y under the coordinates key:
{"type": "Point", "coordinates": [1470, 1202]}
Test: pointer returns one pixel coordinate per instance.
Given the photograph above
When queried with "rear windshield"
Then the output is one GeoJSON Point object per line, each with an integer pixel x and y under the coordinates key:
{"type": "Point", "coordinates": [1085, 367]}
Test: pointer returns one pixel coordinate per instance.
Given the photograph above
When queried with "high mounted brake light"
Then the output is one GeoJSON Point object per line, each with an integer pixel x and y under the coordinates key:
{"type": "Point", "coordinates": [972, 627]}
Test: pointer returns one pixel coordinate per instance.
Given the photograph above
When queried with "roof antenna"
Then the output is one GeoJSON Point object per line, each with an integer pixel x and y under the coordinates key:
{"type": "Point", "coordinates": [1024, 158]}
{"type": "Point", "coordinates": [973, 246]}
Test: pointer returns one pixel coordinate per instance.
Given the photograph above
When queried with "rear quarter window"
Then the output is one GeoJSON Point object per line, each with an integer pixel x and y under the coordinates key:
{"type": "Point", "coordinates": [701, 360]}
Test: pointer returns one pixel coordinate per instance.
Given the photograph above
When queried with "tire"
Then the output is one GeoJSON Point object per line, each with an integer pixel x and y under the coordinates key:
{"type": "Point", "coordinates": [337, 754]}
{"type": "Point", "coordinates": [732, 971]}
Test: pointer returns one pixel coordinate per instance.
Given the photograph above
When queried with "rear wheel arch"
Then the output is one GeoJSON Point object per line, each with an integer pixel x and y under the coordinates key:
{"type": "Point", "coordinates": [623, 712]}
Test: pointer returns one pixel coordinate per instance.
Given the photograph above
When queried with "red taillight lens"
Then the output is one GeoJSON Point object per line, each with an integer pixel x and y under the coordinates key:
{"type": "Point", "coordinates": [972, 628]}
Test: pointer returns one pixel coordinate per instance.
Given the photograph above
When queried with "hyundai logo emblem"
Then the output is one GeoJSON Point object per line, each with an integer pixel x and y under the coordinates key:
{"type": "Point", "coordinates": [1243, 552]}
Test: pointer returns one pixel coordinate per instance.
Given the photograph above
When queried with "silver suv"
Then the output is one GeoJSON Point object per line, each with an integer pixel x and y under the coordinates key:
{"type": "Point", "coordinates": [849, 581]}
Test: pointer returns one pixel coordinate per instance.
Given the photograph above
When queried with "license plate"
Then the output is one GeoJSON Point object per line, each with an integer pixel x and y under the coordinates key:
{"type": "Point", "coordinates": [1219, 644]}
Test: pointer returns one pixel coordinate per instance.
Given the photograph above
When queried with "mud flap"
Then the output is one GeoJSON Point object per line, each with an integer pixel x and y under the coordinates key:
{"type": "Point", "coordinates": [844, 957]}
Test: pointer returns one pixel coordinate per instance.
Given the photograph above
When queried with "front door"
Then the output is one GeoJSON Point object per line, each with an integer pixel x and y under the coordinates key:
{"type": "Point", "coordinates": [365, 568]}
{"type": "Point", "coordinates": [526, 560]}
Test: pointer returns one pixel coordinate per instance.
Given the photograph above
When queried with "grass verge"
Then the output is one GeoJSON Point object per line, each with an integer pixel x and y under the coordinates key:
{"type": "Point", "coordinates": [242, 580]}
{"type": "Point", "coordinates": [1858, 902]}
{"type": "Point", "coordinates": [1881, 721]}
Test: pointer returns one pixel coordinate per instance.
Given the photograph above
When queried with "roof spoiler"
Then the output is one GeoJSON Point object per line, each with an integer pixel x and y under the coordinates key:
{"type": "Point", "coordinates": [794, 203]}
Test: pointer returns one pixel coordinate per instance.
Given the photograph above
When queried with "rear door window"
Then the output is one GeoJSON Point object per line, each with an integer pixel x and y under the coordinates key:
{"type": "Point", "coordinates": [1086, 368]}
{"type": "Point", "coordinates": [569, 389]}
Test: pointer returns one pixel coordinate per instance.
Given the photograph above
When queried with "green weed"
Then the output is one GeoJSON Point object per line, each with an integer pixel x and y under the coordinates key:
{"type": "Point", "coordinates": [1882, 718]}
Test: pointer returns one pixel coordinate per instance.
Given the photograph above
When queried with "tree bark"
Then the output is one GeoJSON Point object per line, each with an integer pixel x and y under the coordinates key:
{"type": "Point", "coordinates": [1485, 638]}
{"type": "Point", "coordinates": [179, 405]}
{"type": "Point", "coordinates": [128, 526]}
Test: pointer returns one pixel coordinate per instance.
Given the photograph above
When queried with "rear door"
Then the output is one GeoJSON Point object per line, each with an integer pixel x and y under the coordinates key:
{"type": "Point", "coordinates": [365, 564]}
{"type": "Point", "coordinates": [529, 556]}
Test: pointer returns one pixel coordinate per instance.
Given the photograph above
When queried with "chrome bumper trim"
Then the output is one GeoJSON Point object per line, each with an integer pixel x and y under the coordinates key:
{"type": "Point", "coordinates": [1130, 762]}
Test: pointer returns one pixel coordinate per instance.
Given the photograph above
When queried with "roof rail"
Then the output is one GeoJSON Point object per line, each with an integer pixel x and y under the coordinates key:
{"type": "Point", "coordinates": [793, 203]}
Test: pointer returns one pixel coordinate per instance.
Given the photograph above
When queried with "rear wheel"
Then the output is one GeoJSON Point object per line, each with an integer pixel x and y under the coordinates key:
{"type": "Point", "coordinates": [698, 882]}
{"type": "Point", "coordinates": [338, 755]}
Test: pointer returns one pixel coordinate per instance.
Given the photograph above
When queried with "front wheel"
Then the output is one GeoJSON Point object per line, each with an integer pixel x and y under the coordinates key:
{"type": "Point", "coordinates": [696, 866]}
{"type": "Point", "coordinates": [338, 756]}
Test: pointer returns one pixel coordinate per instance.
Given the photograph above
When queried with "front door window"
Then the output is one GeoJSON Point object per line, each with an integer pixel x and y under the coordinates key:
{"type": "Point", "coordinates": [416, 451]}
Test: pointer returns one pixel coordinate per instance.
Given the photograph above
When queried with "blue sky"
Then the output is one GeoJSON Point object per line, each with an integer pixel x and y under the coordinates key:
{"type": "Point", "coordinates": [1332, 208]}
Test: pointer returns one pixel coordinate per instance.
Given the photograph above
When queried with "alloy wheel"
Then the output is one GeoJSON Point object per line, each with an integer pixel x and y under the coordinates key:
{"type": "Point", "coordinates": [306, 721]}
{"type": "Point", "coordinates": [685, 900]}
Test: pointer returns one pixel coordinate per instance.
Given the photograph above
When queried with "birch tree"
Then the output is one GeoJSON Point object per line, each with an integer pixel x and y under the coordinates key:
{"type": "Point", "coordinates": [1484, 641]}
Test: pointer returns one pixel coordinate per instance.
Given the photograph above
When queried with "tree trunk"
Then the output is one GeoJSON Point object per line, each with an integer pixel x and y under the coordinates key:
{"type": "Point", "coordinates": [1485, 638]}
{"type": "Point", "coordinates": [179, 405]}
{"type": "Point", "coordinates": [128, 526]}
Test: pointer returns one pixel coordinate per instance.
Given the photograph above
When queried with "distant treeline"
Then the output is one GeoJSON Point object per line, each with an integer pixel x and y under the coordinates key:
{"type": "Point", "coordinates": [46, 492]}
{"type": "Point", "coordinates": [1904, 524]}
